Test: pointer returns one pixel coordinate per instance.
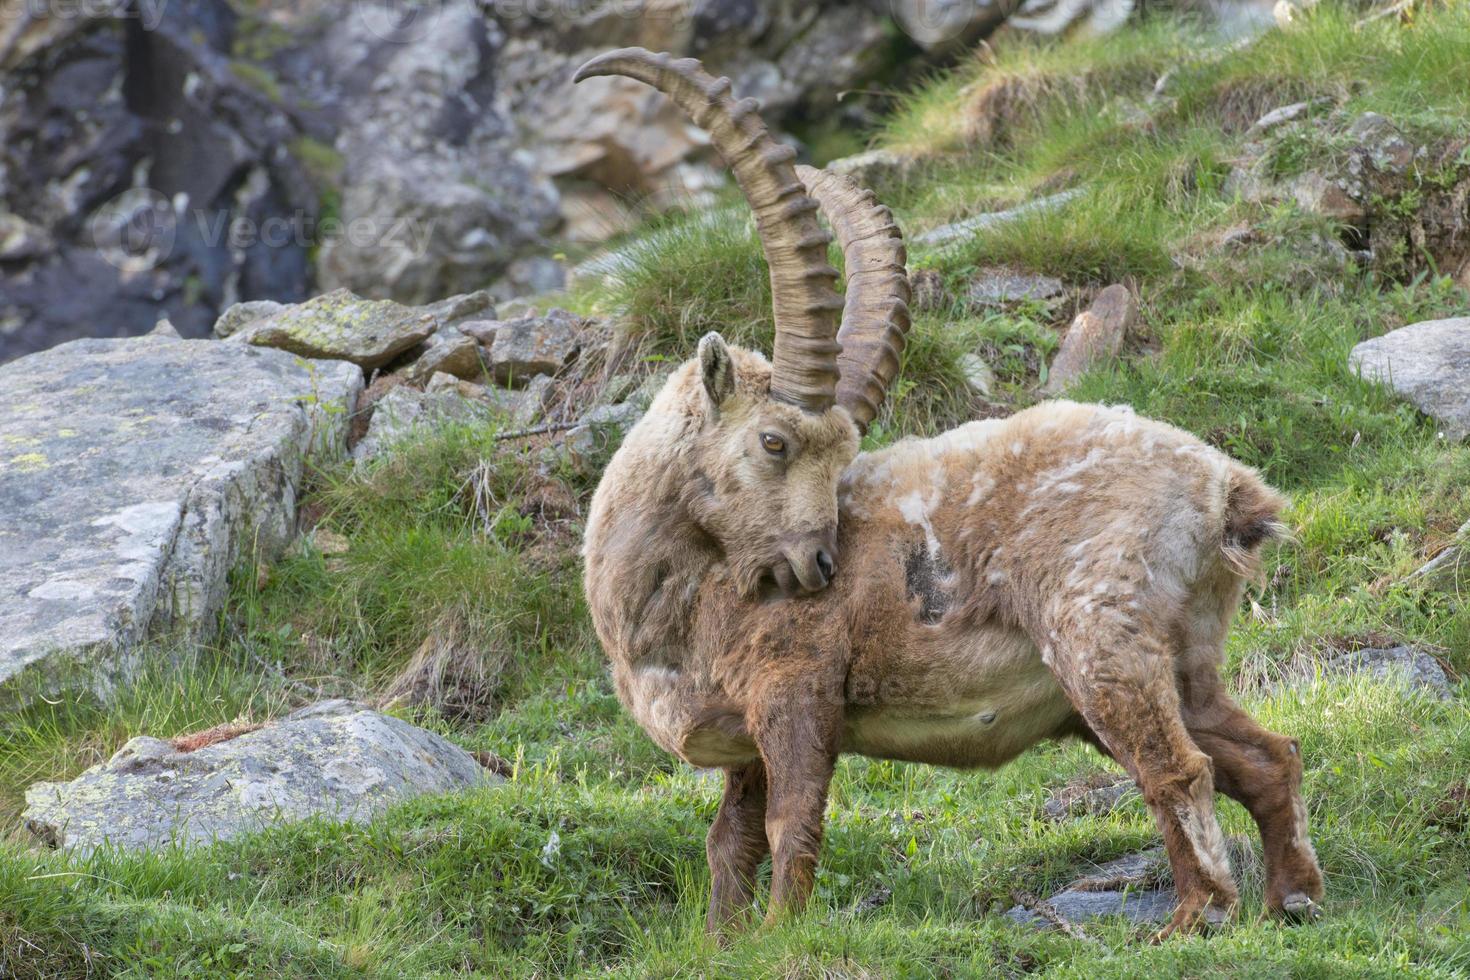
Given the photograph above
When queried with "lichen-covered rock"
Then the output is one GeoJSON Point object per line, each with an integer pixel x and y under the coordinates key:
{"type": "Point", "coordinates": [343, 327]}
{"type": "Point", "coordinates": [521, 349]}
{"type": "Point", "coordinates": [241, 315]}
{"type": "Point", "coordinates": [1429, 364]}
{"type": "Point", "coordinates": [999, 287]}
{"type": "Point", "coordinates": [335, 759]}
{"type": "Point", "coordinates": [404, 411]}
{"type": "Point", "coordinates": [134, 474]}
{"type": "Point", "coordinates": [457, 355]}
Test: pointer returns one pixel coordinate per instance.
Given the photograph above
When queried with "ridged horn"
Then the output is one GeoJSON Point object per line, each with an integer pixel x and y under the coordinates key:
{"type": "Point", "coordinates": [875, 317]}
{"type": "Point", "coordinates": [803, 295]}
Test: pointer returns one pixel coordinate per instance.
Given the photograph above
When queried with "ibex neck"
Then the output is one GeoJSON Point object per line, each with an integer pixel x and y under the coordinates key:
{"type": "Point", "coordinates": [645, 559]}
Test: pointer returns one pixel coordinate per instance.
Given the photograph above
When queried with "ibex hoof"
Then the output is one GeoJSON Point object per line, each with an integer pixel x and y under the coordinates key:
{"type": "Point", "coordinates": [1297, 907]}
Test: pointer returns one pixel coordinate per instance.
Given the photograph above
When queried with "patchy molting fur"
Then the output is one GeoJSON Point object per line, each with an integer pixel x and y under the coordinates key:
{"type": "Point", "coordinates": [1071, 570]}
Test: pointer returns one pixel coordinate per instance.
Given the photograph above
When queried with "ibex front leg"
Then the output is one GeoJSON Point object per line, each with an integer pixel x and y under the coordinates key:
{"type": "Point", "coordinates": [736, 846]}
{"type": "Point", "coordinates": [796, 724]}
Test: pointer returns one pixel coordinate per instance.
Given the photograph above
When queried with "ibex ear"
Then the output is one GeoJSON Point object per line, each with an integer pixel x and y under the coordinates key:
{"type": "Point", "coordinates": [716, 368]}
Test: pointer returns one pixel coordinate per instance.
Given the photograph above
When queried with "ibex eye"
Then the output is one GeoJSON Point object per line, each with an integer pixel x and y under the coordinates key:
{"type": "Point", "coordinates": [773, 444]}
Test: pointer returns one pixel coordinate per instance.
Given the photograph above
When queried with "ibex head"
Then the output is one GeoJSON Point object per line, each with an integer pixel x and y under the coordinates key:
{"type": "Point", "coordinates": [776, 439]}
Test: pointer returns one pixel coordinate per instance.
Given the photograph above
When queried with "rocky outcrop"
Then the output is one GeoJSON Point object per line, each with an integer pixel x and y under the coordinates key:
{"type": "Point", "coordinates": [135, 474]}
{"type": "Point", "coordinates": [1402, 200]}
{"type": "Point", "coordinates": [175, 159]}
{"type": "Point", "coordinates": [1429, 364]}
{"type": "Point", "coordinates": [433, 177]}
{"type": "Point", "coordinates": [335, 759]}
{"type": "Point", "coordinates": [139, 174]}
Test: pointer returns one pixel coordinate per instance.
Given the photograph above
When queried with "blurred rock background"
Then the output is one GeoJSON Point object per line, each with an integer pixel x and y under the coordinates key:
{"type": "Point", "coordinates": [169, 158]}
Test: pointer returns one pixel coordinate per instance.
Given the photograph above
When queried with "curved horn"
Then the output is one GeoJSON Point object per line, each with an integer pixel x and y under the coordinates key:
{"type": "Point", "coordinates": [803, 297]}
{"type": "Point", "coordinates": [875, 317]}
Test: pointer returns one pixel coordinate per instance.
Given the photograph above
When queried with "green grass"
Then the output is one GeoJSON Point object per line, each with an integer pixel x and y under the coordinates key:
{"type": "Point", "coordinates": [459, 536]}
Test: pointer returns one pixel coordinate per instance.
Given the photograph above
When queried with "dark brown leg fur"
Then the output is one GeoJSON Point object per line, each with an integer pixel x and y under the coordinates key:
{"type": "Point", "coordinates": [736, 846]}
{"type": "Point", "coordinates": [1263, 771]}
{"type": "Point", "coordinates": [797, 731]}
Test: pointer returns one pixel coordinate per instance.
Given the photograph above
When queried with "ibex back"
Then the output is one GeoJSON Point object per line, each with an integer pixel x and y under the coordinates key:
{"type": "Point", "coordinates": [769, 598]}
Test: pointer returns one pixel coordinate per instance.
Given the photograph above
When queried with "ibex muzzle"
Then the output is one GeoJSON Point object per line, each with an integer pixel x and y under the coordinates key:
{"type": "Point", "coordinates": [811, 561]}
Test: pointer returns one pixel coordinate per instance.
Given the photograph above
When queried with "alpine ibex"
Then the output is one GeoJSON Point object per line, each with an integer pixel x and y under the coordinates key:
{"type": "Point", "coordinates": [770, 598]}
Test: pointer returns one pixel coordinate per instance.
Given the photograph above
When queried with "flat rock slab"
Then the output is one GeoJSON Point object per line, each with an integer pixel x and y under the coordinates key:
{"type": "Point", "coordinates": [1429, 364]}
{"type": "Point", "coordinates": [343, 327]}
{"type": "Point", "coordinates": [968, 228]}
{"type": "Point", "coordinates": [1091, 797]}
{"type": "Point", "coordinates": [1123, 887]}
{"type": "Point", "coordinates": [335, 759]}
{"type": "Point", "coordinates": [1001, 287]}
{"type": "Point", "coordinates": [134, 473]}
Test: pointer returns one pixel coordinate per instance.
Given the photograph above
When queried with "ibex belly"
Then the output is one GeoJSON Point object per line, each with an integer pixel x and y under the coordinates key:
{"type": "Point", "coordinates": [963, 699]}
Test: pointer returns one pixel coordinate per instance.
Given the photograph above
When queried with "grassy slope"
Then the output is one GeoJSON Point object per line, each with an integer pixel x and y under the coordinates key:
{"type": "Point", "coordinates": [1250, 354]}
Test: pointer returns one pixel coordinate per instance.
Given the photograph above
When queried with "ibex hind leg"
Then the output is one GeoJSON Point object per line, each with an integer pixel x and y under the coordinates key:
{"type": "Point", "coordinates": [1263, 771]}
{"type": "Point", "coordinates": [1120, 677]}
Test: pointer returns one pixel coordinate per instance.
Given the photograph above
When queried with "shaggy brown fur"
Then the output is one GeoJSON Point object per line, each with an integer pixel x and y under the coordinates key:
{"type": "Point", "coordinates": [1069, 571]}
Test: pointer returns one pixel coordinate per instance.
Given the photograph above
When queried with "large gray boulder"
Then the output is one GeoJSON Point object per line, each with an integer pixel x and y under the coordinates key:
{"type": "Point", "coordinates": [1429, 364]}
{"type": "Point", "coordinates": [335, 759]}
{"type": "Point", "coordinates": [134, 475]}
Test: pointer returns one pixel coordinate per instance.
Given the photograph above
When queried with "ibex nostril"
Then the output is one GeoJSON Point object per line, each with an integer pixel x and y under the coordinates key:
{"type": "Point", "coordinates": [824, 562]}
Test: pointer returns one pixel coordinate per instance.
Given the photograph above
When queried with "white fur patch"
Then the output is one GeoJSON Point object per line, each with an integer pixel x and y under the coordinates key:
{"type": "Point", "coordinates": [1203, 831]}
{"type": "Point", "coordinates": [917, 508]}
